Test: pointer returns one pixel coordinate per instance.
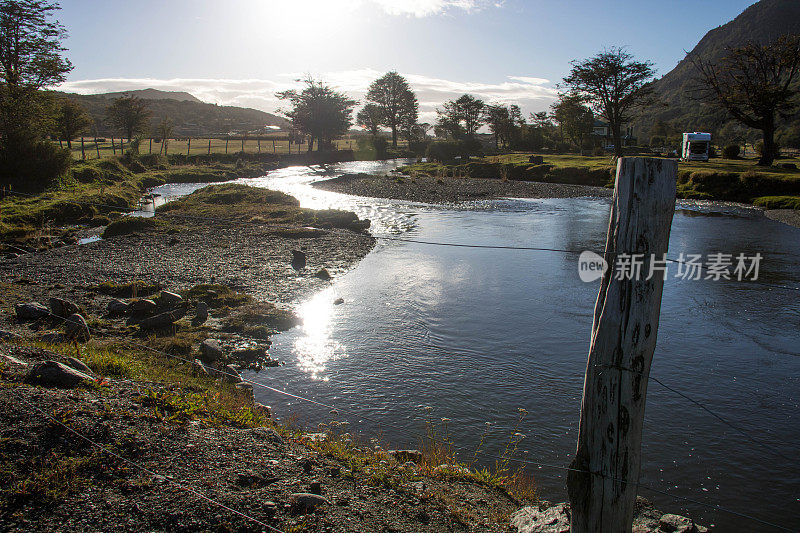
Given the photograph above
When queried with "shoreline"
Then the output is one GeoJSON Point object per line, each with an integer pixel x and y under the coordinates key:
{"type": "Point", "coordinates": [444, 190]}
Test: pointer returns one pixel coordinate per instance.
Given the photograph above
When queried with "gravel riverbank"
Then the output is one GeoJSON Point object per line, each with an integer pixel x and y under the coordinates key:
{"type": "Point", "coordinates": [428, 189]}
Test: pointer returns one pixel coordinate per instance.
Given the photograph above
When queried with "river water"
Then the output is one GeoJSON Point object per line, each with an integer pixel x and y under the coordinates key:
{"type": "Point", "coordinates": [478, 334]}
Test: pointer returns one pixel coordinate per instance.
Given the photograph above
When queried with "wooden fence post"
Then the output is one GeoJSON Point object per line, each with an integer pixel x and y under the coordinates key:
{"type": "Point", "coordinates": [113, 146]}
{"type": "Point", "coordinates": [83, 151]}
{"type": "Point", "coordinates": [603, 482]}
{"type": "Point", "coordinates": [242, 144]}
{"type": "Point", "coordinates": [97, 147]}
{"type": "Point", "coordinates": [273, 146]}
{"type": "Point", "coordinates": [259, 145]}
{"type": "Point", "coordinates": [151, 145]}
{"type": "Point", "coordinates": [226, 145]}
{"type": "Point", "coordinates": [209, 147]}
{"type": "Point", "coordinates": [189, 145]}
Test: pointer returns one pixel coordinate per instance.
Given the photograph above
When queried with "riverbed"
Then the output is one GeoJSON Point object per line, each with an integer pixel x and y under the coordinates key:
{"type": "Point", "coordinates": [474, 335]}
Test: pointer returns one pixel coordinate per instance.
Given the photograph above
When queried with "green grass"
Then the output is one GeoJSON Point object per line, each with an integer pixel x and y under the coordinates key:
{"type": "Point", "coordinates": [778, 202]}
{"type": "Point", "coordinates": [241, 203]}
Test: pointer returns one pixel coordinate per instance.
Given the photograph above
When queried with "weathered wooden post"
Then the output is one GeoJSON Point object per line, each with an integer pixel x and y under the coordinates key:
{"type": "Point", "coordinates": [151, 145]}
{"type": "Point", "coordinates": [603, 482]}
{"type": "Point", "coordinates": [209, 147]}
{"type": "Point", "coordinates": [273, 146]}
{"type": "Point", "coordinates": [188, 145]}
{"type": "Point", "coordinates": [226, 145]}
{"type": "Point", "coordinates": [83, 150]}
{"type": "Point", "coordinates": [97, 147]}
{"type": "Point", "coordinates": [243, 144]}
{"type": "Point", "coordinates": [259, 145]}
{"type": "Point", "coordinates": [113, 146]}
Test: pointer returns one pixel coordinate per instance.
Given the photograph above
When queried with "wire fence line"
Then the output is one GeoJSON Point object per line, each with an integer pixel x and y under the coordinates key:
{"type": "Point", "coordinates": [141, 467]}
{"type": "Point", "coordinates": [395, 238]}
{"type": "Point", "coordinates": [420, 436]}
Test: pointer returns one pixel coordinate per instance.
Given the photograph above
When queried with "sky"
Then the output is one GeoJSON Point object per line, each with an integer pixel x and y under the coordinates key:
{"type": "Point", "coordinates": [240, 52]}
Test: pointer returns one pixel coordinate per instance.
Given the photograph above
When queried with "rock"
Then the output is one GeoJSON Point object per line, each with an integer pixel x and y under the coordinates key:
{"type": "Point", "coordinates": [248, 479]}
{"type": "Point", "coordinates": [31, 311]}
{"type": "Point", "coordinates": [338, 301]}
{"type": "Point", "coordinates": [142, 307]}
{"type": "Point", "coordinates": [268, 434]}
{"type": "Point", "coordinates": [315, 487]}
{"type": "Point", "coordinates": [170, 299]}
{"type": "Point", "coordinates": [298, 260]}
{"type": "Point", "coordinates": [230, 375]}
{"type": "Point", "coordinates": [9, 336]}
{"type": "Point", "coordinates": [54, 374]}
{"type": "Point", "coordinates": [536, 160]}
{"type": "Point", "coordinates": [79, 365]}
{"type": "Point", "coordinates": [117, 307]}
{"type": "Point", "coordinates": [263, 410]}
{"type": "Point", "coordinates": [162, 320]}
{"type": "Point", "coordinates": [672, 523]}
{"type": "Point", "coordinates": [13, 361]}
{"type": "Point", "coordinates": [63, 308]}
{"type": "Point", "coordinates": [535, 520]}
{"type": "Point", "coordinates": [403, 456]}
{"type": "Point", "coordinates": [304, 502]}
{"type": "Point", "coordinates": [245, 387]}
{"type": "Point", "coordinates": [211, 351]}
{"type": "Point", "coordinates": [75, 328]}
{"type": "Point", "coordinates": [200, 313]}
{"type": "Point", "coordinates": [53, 338]}
{"type": "Point", "coordinates": [323, 274]}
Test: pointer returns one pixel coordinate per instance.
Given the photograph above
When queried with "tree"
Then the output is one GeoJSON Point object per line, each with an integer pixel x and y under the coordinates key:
{"type": "Point", "coordinates": [30, 60]}
{"type": "Point", "coordinates": [164, 132]}
{"type": "Point", "coordinates": [370, 118]}
{"type": "Point", "coordinates": [398, 104]}
{"type": "Point", "coordinates": [615, 85]}
{"type": "Point", "coordinates": [71, 120]}
{"type": "Point", "coordinates": [755, 84]}
{"type": "Point", "coordinates": [461, 117]}
{"type": "Point", "coordinates": [319, 112]}
{"type": "Point", "coordinates": [498, 119]}
{"type": "Point", "coordinates": [576, 120]}
{"type": "Point", "coordinates": [130, 114]}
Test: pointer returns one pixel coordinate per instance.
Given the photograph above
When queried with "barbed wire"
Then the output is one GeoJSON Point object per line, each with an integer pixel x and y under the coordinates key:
{"type": "Point", "coordinates": [455, 446]}
{"type": "Point", "coordinates": [141, 467]}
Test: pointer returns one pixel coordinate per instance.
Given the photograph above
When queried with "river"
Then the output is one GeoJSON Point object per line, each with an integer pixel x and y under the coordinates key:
{"type": "Point", "coordinates": [478, 334]}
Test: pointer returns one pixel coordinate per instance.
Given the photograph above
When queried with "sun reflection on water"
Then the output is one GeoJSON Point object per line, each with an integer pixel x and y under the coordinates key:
{"type": "Point", "coordinates": [315, 348]}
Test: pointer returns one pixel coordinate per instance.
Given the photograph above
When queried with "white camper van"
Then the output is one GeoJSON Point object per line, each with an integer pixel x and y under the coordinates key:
{"type": "Point", "coordinates": [696, 146]}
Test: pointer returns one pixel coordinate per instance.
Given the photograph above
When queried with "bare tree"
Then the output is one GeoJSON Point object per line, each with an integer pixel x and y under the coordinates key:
{"type": "Point", "coordinates": [755, 84]}
{"type": "Point", "coordinates": [615, 85]}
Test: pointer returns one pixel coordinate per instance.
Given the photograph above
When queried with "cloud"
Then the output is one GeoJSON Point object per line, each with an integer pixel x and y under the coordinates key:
{"type": "Point", "coordinates": [424, 8]}
{"type": "Point", "coordinates": [530, 93]}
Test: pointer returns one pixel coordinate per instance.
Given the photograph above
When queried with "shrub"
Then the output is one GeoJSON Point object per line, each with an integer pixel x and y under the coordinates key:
{"type": "Point", "coordinates": [380, 144]}
{"type": "Point", "coordinates": [34, 167]}
{"type": "Point", "coordinates": [731, 151]}
{"type": "Point", "coordinates": [86, 174]}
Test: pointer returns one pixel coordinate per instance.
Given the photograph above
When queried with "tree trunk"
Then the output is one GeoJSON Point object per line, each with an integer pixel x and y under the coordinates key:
{"type": "Point", "coordinates": [394, 136]}
{"type": "Point", "coordinates": [310, 144]}
{"type": "Point", "coordinates": [617, 137]}
{"type": "Point", "coordinates": [769, 153]}
{"type": "Point", "coordinates": [603, 482]}
{"type": "Point", "coordinates": [69, 143]}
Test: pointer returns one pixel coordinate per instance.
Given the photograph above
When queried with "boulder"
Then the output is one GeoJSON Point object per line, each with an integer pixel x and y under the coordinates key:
{"type": "Point", "coordinates": [323, 274]}
{"type": "Point", "coordinates": [211, 351]}
{"type": "Point", "coordinates": [298, 259]}
{"type": "Point", "coordinates": [230, 375]}
{"type": "Point", "coordinates": [170, 299]}
{"type": "Point", "coordinates": [200, 313]}
{"type": "Point", "coordinates": [55, 375]}
{"type": "Point", "coordinates": [338, 301]}
{"type": "Point", "coordinates": [75, 328]}
{"type": "Point", "coordinates": [117, 307]}
{"type": "Point", "coordinates": [162, 320]}
{"type": "Point", "coordinates": [63, 308]}
{"type": "Point", "coordinates": [53, 338]}
{"type": "Point", "coordinates": [12, 361]}
{"type": "Point", "coordinates": [142, 307]}
{"type": "Point", "coordinates": [79, 365]}
{"type": "Point", "coordinates": [31, 311]}
{"type": "Point", "coordinates": [672, 523]}
{"type": "Point", "coordinates": [305, 502]}
{"type": "Point", "coordinates": [537, 520]}
{"type": "Point", "coordinates": [404, 456]}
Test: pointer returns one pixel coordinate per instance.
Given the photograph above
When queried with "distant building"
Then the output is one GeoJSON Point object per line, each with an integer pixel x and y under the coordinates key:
{"type": "Point", "coordinates": [601, 132]}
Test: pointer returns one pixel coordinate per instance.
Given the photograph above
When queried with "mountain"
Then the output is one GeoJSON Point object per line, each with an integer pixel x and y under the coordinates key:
{"type": "Point", "coordinates": [762, 22]}
{"type": "Point", "coordinates": [155, 94]}
{"type": "Point", "coordinates": [190, 116]}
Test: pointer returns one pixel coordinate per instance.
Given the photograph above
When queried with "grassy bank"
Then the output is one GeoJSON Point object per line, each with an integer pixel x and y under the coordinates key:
{"type": "Point", "coordinates": [96, 192]}
{"type": "Point", "coordinates": [718, 179]}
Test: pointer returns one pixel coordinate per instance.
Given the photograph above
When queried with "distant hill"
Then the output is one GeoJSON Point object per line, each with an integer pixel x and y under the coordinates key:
{"type": "Point", "coordinates": [155, 94]}
{"type": "Point", "coordinates": [762, 22]}
{"type": "Point", "coordinates": [190, 116]}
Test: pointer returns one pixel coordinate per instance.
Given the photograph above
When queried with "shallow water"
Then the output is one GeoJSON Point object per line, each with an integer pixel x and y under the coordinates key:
{"type": "Point", "coordinates": [477, 334]}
